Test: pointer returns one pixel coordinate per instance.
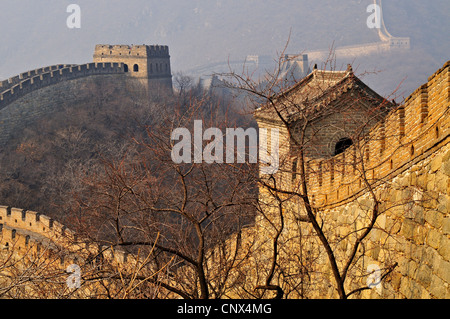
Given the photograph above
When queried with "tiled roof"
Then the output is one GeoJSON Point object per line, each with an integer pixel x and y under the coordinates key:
{"type": "Point", "coordinates": [314, 92]}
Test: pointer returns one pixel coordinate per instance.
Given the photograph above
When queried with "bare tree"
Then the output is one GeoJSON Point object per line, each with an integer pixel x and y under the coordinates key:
{"type": "Point", "coordinates": [304, 112]}
{"type": "Point", "coordinates": [193, 206]}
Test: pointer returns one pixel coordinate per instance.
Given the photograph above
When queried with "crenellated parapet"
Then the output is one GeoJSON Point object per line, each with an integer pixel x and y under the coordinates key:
{"type": "Point", "coordinates": [37, 226]}
{"type": "Point", "coordinates": [148, 63]}
{"type": "Point", "coordinates": [40, 258]}
{"type": "Point", "coordinates": [408, 134]}
{"type": "Point", "coordinates": [383, 201]}
{"type": "Point", "coordinates": [29, 82]}
{"type": "Point", "coordinates": [8, 83]}
{"type": "Point", "coordinates": [28, 231]}
{"type": "Point", "coordinates": [142, 51]}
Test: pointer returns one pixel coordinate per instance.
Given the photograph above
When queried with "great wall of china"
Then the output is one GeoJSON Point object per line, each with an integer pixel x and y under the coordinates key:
{"type": "Point", "coordinates": [387, 43]}
{"type": "Point", "coordinates": [33, 94]}
{"type": "Point", "coordinates": [406, 136]}
{"type": "Point", "coordinates": [406, 160]}
{"type": "Point", "coordinates": [23, 231]}
{"type": "Point", "coordinates": [25, 83]}
{"type": "Point", "coordinates": [408, 151]}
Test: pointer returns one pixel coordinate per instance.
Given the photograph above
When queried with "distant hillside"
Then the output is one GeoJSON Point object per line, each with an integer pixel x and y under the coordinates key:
{"type": "Point", "coordinates": [203, 31]}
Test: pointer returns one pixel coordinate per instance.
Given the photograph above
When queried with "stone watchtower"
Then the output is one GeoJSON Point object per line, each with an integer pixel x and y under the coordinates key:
{"type": "Point", "coordinates": [148, 63]}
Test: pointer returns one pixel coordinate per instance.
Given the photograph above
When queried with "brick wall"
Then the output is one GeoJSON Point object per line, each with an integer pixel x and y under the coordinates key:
{"type": "Point", "coordinates": [44, 79]}
{"type": "Point", "coordinates": [27, 108]}
{"type": "Point", "coordinates": [152, 62]}
{"type": "Point", "coordinates": [403, 137]}
{"type": "Point", "coordinates": [406, 160]}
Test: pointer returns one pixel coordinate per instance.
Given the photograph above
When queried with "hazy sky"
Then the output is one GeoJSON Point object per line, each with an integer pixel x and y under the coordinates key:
{"type": "Point", "coordinates": [199, 32]}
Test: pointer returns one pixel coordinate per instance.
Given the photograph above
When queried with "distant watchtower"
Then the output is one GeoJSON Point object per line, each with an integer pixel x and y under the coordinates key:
{"type": "Point", "coordinates": [149, 63]}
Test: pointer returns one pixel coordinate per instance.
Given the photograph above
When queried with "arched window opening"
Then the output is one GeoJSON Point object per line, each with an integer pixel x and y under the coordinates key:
{"type": "Point", "coordinates": [125, 68]}
{"type": "Point", "coordinates": [342, 145]}
{"type": "Point", "coordinates": [136, 68]}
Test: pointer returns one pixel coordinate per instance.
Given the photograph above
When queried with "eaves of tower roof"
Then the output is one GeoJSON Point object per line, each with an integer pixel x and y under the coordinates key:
{"type": "Point", "coordinates": [312, 95]}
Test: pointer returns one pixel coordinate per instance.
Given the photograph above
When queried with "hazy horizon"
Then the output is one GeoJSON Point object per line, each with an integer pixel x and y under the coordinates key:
{"type": "Point", "coordinates": [202, 32]}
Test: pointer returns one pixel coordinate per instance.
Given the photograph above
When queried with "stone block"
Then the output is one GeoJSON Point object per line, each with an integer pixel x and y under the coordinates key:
{"type": "Point", "coordinates": [443, 204]}
{"type": "Point", "coordinates": [403, 266]}
{"type": "Point", "coordinates": [408, 228]}
{"type": "Point", "coordinates": [393, 226]}
{"type": "Point", "coordinates": [441, 182]}
{"type": "Point", "coordinates": [430, 201]}
{"type": "Point", "coordinates": [423, 275]}
{"type": "Point", "coordinates": [444, 249]}
{"type": "Point", "coordinates": [418, 252]}
{"type": "Point", "coordinates": [443, 271]}
{"type": "Point", "coordinates": [446, 156]}
{"type": "Point", "coordinates": [413, 178]}
{"type": "Point", "coordinates": [422, 181]}
{"type": "Point", "coordinates": [375, 235]}
{"type": "Point", "coordinates": [434, 218]}
{"type": "Point", "coordinates": [401, 244]}
{"type": "Point", "coordinates": [446, 226]}
{"type": "Point", "coordinates": [446, 164]}
{"type": "Point", "coordinates": [410, 288]}
{"type": "Point", "coordinates": [425, 294]}
{"type": "Point", "coordinates": [431, 184]}
{"type": "Point", "coordinates": [395, 280]}
{"type": "Point", "coordinates": [435, 164]}
{"type": "Point", "coordinates": [431, 257]}
{"type": "Point", "coordinates": [419, 235]}
{"type": "Point", "coordinates": [438, 287]}
{"type": "Point", "coordinates": [418, 214]}
{"type": "Point", "coordinates": [381, 221]}
{"type": "Point", "coordinates": [434, 238]}
{"type": "Point", "coordinates": [375, 252]}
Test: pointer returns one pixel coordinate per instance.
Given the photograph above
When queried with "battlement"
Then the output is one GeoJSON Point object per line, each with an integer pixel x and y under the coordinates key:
{"type": "Point", "coordinates": [409, 133]}
{"type": "Point", "coordinates": [25, 231]}
{"type": "Point", "coordinates": [8, 83]}
{"type": "Point", "coordinates": [17, 239]}
{"type": "Point", "coordinates": [142, 51]}
{"type": "Point", "coordinates": [149, 63]}
{"type": "Point", "coordinates": [401, 43]}
{"type": "Point", "coordinates": [35, 223]}
{"type": "Point", "coordinates": [46, 77]}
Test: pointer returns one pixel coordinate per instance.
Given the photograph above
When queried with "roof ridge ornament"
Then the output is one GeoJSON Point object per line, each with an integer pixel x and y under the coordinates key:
{"type": "Point", "coordinates": [349, 68]}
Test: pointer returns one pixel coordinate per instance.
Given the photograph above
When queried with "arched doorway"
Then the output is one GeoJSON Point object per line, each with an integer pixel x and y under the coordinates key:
{"type": "Point", "coordinates": [136, 68]}
{"type": "Point", "coordinates": [342, 145]}
{"type": "Point", "coordinates": [125, 68]}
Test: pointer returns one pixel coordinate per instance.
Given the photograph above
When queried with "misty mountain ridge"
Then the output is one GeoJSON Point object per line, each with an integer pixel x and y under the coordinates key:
{"type": "Point", "coordinates": [205, 32]}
